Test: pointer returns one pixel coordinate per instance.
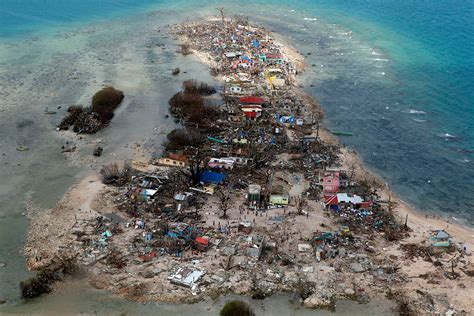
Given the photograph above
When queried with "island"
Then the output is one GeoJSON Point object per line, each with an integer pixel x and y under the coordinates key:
{"type": "Point", "coordinates": [251, 196]}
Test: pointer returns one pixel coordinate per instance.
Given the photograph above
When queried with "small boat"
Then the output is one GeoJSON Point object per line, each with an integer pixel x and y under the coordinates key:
{"type": "Point", "coordinates": [340, 133]}
{"type": "Point", "coordinates": [216, 140]}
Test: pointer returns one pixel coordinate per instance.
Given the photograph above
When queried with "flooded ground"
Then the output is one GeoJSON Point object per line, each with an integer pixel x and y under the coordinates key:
{"type": "Point", "coordinates": [73, 299]}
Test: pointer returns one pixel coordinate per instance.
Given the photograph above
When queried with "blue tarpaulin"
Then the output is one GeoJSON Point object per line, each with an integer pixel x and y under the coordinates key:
{"type": "Point", "coordinates": [212, 177]}
{"type": "Point", "coordinates": [107, 233]}
{"type": "Point", "coordinates": [149, 236]}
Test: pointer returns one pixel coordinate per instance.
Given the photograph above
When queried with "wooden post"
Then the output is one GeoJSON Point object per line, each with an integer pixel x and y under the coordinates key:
{"type": "Point", "coordinates": [389, 203]}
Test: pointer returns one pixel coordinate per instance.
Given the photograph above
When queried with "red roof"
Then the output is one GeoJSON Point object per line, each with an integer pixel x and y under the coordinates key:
{"type": "Point", "coordinates": [274, 56]}
{"type": "Point", "coordinates": [332, 200]}
{"type": "Point", "coordinates": [366, 204]}
{"type": "Point", "coordinates": [148, 256]}
{"type": "Point", "coordinates": [252, 100]}
{"type": "Point", "coordinates": [250, 114]}
{"type": "Point", "coordinates": [202, 240]}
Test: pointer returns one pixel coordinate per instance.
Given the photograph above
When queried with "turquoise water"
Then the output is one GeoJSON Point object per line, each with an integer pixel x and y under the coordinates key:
{"type": "Point", "coordinates": [398, 74]}
{"type": "Point", "coordinates": [24, 17]}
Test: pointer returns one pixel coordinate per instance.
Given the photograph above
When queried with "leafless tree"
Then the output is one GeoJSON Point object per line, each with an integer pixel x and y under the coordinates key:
{"type": "Point", "coordinates": [115, 173]}
{"type": "Point", "coordinates": [222, 13]}
{"type": "Point", "coordinates": [196, 167]}
{"type": "Point", "coordinates": [352, 170]}
{"type": "Point", "coordinates": [185, 49]}
{"type": "Point", "coordinates": [261, 155]}
{"type": "Point", "coordinates": [198, 207]}
{"type": "Point", "coordinates": [300, 204]}
{"type": "Point", "coordinates": [224, 201]}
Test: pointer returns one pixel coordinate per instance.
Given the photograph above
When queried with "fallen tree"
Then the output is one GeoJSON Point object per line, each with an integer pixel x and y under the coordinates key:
{"type": "Point", "coordinates": [42, 283]}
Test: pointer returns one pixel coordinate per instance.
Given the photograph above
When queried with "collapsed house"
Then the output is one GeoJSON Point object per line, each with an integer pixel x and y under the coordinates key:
{"type": "Point", "coordinates": [439, 238]}
{"type": "Point", "coordinates": [186, 276]}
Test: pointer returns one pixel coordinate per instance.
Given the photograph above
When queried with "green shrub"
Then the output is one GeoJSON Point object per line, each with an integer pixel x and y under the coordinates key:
{"type": "Point", "coordinates": [105, 101]}
{"type": "Point", "coordinates": [236, 308]}
{"type": "Point", "coordinates": [37, 285]}
{"type": "Point", "coordinates": [182, 103]}
{"type": "Point", "coordinates": [193, 86]}
{"type": "Point", "coordinates": [183, 137]}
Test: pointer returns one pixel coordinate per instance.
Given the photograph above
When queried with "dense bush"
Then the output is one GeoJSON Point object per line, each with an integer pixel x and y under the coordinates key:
{"type": "Point", "coordinates": [38, 285]}
{"type": "Point", "coordinates": [91, 120]}
{"type": "Point", "coordinates": [199, 115]}
{"type": "Point", "coordinates": [193, 86]}
{"type": "Point", "coordinates": [236, 308]}
{"type": "Point", "coordinates": [183, 137]}
{"type": "Point", "coordinates": [190, 103]}
{"type": "Point", "coordinates": [105, 101]}
{"type": "Point", "coordinates": [87, 123]}
{"type": "Point", "coordinates": [183, 103]}
{"type": "Point", "coordinates": [74, 111]}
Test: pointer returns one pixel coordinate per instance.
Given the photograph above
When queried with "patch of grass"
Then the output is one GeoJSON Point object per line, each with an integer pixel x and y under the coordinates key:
{"type": "Point", "coordinates": [236, 308]}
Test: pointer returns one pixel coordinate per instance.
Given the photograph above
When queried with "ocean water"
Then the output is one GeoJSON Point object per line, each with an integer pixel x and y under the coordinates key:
{"type": "Point", "coordinates": [399, 75]}
{"type": "Point", "coordinates": [412, 113]}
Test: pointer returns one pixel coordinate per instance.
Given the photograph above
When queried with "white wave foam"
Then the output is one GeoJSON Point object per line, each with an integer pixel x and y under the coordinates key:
{"type": "Point", "coordinates": [310, 19]}
{"type": "Point", "coordinates": [380, 59]}
{"type": "Point", "coordinates": [412, 111]}
{"type": "Point", "coordinates": [447, 136]}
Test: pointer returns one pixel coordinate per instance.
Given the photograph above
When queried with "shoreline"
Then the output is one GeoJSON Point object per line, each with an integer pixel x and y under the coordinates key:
{"type": "Point", "coordinates": [460, 231]}
{"type": "Point", "coordinates": [91, 184]}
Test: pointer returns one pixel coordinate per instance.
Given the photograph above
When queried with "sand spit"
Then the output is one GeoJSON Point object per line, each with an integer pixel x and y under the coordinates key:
{"type": "Point", "coordinates": [149, 245]}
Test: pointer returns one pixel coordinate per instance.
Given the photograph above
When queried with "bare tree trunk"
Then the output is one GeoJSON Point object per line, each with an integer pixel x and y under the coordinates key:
{"type": "Point", "coordinates": [222, 12]}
